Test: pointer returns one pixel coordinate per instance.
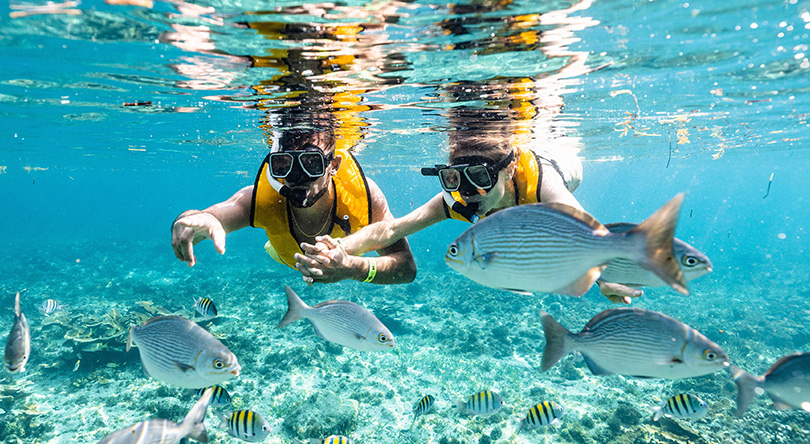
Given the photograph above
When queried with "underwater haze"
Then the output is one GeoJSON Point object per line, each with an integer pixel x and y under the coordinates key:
{"type": "Point", "coordinates": [118, 115]}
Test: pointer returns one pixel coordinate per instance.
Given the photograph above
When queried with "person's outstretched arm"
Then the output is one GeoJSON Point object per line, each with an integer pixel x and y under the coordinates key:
{"type": "Point", "coordinates": [213, 223]}
{"type": "Point", "coordinates": [330, 261]}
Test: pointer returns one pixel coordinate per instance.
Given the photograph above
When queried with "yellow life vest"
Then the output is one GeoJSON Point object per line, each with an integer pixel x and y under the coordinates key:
{"type": "Point", "coordinates": [269, 209]}
{"type": "Point", "coordinates": [527, 179]}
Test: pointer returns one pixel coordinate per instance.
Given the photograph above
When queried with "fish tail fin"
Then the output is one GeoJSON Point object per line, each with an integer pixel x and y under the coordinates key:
{"type": "Point", "coordinates": [295, 306]}
{"type": "Point", "coordinates": [17, 310]}
{"type": "Point", "coordinates": [558, 343]}
{"type": "Point", "coordinates": [129, 337]}
{"type": "Point", "coordinates": [658, 231]}
{"type": "Point", "coordinates": [746, 388]}
{"type": "Point", "coordinates": [657, 411]}
{"type": "Point", "coordinates": [192, 424]}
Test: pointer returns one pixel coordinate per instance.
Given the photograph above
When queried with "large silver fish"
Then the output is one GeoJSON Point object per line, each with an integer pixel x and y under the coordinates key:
{"type": "Point", "coordinates": [18, 342]}
{"type": "Point", "coordinates": [554, 248]}
{"type": "Point", "coordinates": [162, 431]}
{"type": "Point", "coordinates": [787, 383]}
{"type": "Point", "coordinates": [179, 352]}
{"type": "Point", "coordinates": [341, 322]}
{"type": "Point", "coordinates": [634, 342]}
{"type": "Point", "coordinates": [623, 271]}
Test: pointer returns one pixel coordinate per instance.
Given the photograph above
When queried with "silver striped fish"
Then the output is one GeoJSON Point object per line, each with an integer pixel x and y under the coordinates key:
{"type": "Point", "coordinates": [179, 352]}
{"type": "Point", "coordinates": [554, 248]}
{"type": "Point", "coordinates": [787, 383]}
{"type": "Point", "coordinates": [483, 403]}
{"type": "Point", "coordinates": [423, 406]}
{"type": "Point", "coordinates": [341, 322]}
{"type": "Point", "coordinates": [541, 415]}
{"type": "Point", "coordinates": [50, 306]}
{"type": "Point", "coordinates": [692, 261]}
{"type": "Point", "coordinates": [681, 406]}
{"type": "Point", "coordinates": [219, 398]}
{"type": "Point", "coordinates": [18, 342]}
{"type": "Point", "coordinates": [334, 439]}
{"type": "Point", "coordinates": [205, 307]}
{"type": "Point", "coordinates": [634, 342]}
{"type": "Point", "coordinates": [246, 425]}
{"type": "Point", "coordinates": [162, 431]}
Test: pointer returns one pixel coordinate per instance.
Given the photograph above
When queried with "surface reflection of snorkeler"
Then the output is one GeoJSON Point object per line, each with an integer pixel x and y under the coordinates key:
{"type": "Point", "coordinates": [304, 189]}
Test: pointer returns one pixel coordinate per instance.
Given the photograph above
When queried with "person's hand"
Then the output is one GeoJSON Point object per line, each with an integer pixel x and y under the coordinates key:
{"type": "Point", "coordinates": [190, 229]}
{"type": "Point", "coordinates": [325, 262]}
{"type": "Point", "coordinates": [618, 293]}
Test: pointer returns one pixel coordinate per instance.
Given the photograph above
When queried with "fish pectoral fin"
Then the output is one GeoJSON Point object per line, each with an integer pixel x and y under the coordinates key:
{"type": "Point", "coordinates": [676, 360]}
{"type": "Point", "coordinates": [583, 284]}
{"type": "Point", "coordinates": [184, 367]}
{"type": "Point", "coordinates": [483, 260]}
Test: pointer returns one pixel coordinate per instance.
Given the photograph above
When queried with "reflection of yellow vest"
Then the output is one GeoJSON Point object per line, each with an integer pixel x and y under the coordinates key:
{"type": "Point", "coordinates": [269, 209]}
{"type": "Point", "coordinates": [527, 180]}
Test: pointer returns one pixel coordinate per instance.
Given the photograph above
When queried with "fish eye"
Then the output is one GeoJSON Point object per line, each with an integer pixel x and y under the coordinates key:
{"type": "Point", "coordinates": [453, 250]}
{"type": "Point", "coordinates": [218, 363]}
{"type": "Point", "coordinates": [382, 337]}
{"type": "Point", "coordinates": [710, 355]}
{"type": "Point", "coordinates": [690, 261]}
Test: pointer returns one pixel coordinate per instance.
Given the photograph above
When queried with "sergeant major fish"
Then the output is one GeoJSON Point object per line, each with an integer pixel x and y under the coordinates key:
{"type": "Point", "coordinates": [423, 406]}
{"type": "Point", "coordinates": [162, 431]}
{"type": "Point", "coordinates": [179, 352]}
{"type": "Point", "coordinates": [483, 403]}
{"type": "Point", "coordinates": [692, 261]}
{"type": "Point", "coordinates": [681, 406]}
{"type": "Point", "coordinates": [219, 398]}
{"type": "Point", "coordinates": [50, 306]}
{"type": "Point", "coordinates": [554, 248]}
{"type": "Point", "coordinates": [18, 342]}
{"type": "Point", "coordinates": [543, 414]}
{"type": "Point", "coordinates": [334, 439]}
{"type": "Point", "coordinates": [246, 425]}
{"type": "Point", "coordinates": [341, 322]}
{"type": "Point", "coordinates": [634, 342]}
{"type": "Point", "coordinates": [205, 307]}
{"type": "Point", "coordinates": [787, 383]}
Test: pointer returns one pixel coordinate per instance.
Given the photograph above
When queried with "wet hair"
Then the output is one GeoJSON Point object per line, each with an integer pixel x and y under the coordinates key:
{"type": "Point", "coordinates": [479, 133]}
{"type": "Point", "coordinates": [297, 127]}
{"type": "Point", "coordinates": [296, 138]}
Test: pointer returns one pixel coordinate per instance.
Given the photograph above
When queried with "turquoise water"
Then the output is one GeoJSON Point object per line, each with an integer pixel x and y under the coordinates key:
{"type": "Point", "coordinates": [699, 97]}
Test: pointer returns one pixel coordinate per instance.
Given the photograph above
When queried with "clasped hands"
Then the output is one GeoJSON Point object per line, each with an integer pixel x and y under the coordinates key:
{"type": "Point", "coordinates": [326, 261]}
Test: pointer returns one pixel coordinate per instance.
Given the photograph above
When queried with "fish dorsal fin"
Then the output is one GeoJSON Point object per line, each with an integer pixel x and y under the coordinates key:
{"type": "Point", "coordinates": [579, 215]}
{"type": "Point", "coordinates": [17, 310]}
{"type": "Point", "coordinates": [583, 284]}
{"type": "Point", "coordinates": [620, 227]}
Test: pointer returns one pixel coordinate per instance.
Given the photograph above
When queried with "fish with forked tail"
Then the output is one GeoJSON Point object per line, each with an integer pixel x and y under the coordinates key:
{"type": "Point", "coordinates": [787, 383]}
{"type": "Point", "coordinates": [18, 342]}
{"type": "Point", "coordinates": [554, 248]}
{"type": "Point", "coordinates": [634, 342]}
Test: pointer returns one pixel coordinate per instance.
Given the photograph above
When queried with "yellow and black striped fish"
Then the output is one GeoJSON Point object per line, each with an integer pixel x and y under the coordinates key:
{"type": "Point", "coordinates": [541, 415]}
{"type": "Point", "coordinates": [246, 425]}
{"type": "Point", "coordinates": [423, 406]}
{"type": "Point", "coordinates": [483, 403]}
{"type": "Point", "coordinates": [219, 398]}
{"type": "Point", "coordinates": [681, 406]}
{"type": "Point", "coordinates": [205, 307]}
{"type": "Point", "coordinates": [334, 439]}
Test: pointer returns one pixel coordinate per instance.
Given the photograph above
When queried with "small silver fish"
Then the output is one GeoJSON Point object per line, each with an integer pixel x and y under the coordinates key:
{"type": "Point", "coordinates": [681, 406]}
{"type": "Point", "coordinates": [341, 322]}
{"type": "Point", "coordinates": [693, 263]}
{"type": "Point", "coordinates": [541, 415]}
{"type": "Point", "coordinates": [50, 306]}
{"type": "Point", "coordinates": [483, 403]}
{"type": "Point", "coordinates": [554, 248]}
{"type": "Point", "coordinates": [334, 439]}
{"type": "Point", "coordinates": [18, 342]}
{"type": "Point", "coordinates": [205, 307]}
{"type": "Point", "coordinates": [787, 383]}
{"type": "Point", "coordinates": [179, 352]}
{"type": "Point", "coordinates": [246, 425]}
{"type": "Point", "coordinates": [219, 398]}
{"type": "Point", "coordinates": [162, 431]}
{"type": "Point", "coordinates": [423, 406]}
{"type": "Point", "coordinates": [634, 342]}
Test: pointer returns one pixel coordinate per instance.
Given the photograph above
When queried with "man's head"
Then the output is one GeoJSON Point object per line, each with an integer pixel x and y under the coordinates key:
{"type": "Point", "coordinates": [305, 162]}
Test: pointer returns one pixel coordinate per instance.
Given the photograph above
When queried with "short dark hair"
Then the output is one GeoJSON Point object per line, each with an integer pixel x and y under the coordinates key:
{"type": "Point", "coordinates": [479, 132]}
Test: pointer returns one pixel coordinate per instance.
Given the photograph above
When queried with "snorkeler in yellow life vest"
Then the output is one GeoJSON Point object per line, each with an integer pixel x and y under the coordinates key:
{"type": "Point", "coordinates": [270, 207]}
